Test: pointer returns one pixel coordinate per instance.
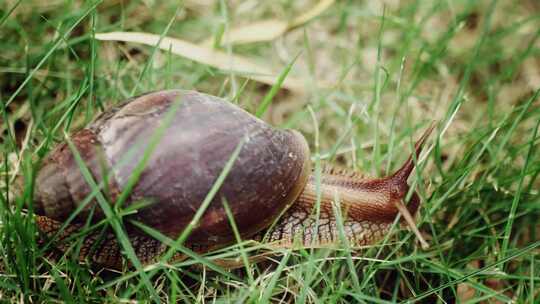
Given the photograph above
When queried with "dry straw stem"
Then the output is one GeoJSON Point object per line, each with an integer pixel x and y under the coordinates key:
{"type": "Point", "coordinates": [218, 59]}
{"type": "Point", "coordinates": [268, 30]}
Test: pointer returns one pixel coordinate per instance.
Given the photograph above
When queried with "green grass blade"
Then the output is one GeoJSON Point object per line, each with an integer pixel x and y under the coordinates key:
{"type": "Point", "coordinates": [51, 50]}
{"type": "Point", "coordinates": [113, 220]}
{"type": "Point", "coordinates": [238, 238]}
{"type": "Point", "coordinates": [267, 100]}
{"type": "Point", "coordinates": [517, 196]}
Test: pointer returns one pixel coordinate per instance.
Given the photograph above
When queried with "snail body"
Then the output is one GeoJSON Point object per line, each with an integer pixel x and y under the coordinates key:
{"type": "Point", "coordinates": [271, 189]}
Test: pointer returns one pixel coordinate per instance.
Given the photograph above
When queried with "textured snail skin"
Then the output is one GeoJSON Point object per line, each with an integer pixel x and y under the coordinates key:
{"type": "Point", "coordinates": [271, 176]}
{"type": "Point", "coordinates": [367, 206]}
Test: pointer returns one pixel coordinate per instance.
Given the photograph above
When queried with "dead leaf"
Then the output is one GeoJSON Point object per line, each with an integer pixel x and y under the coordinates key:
{"type": "Point", "coordinates": [312, 13]}
{"type": "Point", "coordinates": [224, 61]}
{"type": "Point", "coordinates": [270, 29]}
{"type": "Point", "coordinates": [266, 30]}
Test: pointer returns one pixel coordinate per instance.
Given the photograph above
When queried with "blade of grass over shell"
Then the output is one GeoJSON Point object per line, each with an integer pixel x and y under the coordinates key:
{"type": "Point", "coordinates": [149, 149]}
{"type": "Point", "coordinates": [73, 215]}
{"type": "Point", "coordinates": [204, 205]}
{"type": "Point", "coordinates": [210, 196]}
{"type": "Point", "coordinates": [107, 175]}
{"type": "Point", "coordinates": [267, 100]}
{"type": "Point", "coordinates": [111, 215]}
{"type": "Point", "coordinates": [113, 220]}
{"type": "Point", "coordinates": [238, 238]}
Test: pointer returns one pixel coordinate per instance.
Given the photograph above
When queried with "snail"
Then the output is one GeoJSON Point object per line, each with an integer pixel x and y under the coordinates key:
{"type": "Point", "coordinates": [271, 189]}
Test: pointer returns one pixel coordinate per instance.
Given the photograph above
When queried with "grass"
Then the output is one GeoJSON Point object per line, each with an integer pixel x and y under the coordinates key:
{"type": "Point", "coordinates": [375, 75]}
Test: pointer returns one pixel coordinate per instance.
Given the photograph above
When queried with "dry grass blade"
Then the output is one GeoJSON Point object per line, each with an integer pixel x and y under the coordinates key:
{"type": "Point", "coordinates": [312, 13]}
{"type": "Point", "coordinates": [266, 30]}
{"type": "Point", "coordinates": [270, 29]}
{"type": "Point", "coordinates": [412, 224]}
{"type": "Point", "coordinates": [221, 60]}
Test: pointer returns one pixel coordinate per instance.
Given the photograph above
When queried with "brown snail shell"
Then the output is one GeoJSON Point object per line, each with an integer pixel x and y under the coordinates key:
{"type": "Point", "coordinates": [270, 176]}
{"type": "Point", "coordinates": [267, 176]}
